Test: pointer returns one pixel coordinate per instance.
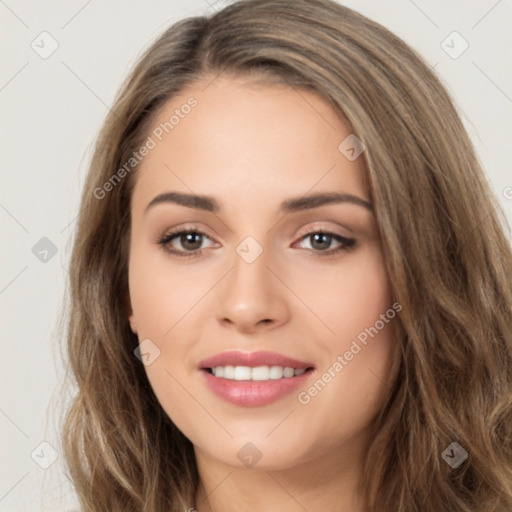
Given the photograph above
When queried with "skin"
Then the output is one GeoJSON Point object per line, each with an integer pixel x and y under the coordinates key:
{"type": "Point", "coordinates": [251, 147]}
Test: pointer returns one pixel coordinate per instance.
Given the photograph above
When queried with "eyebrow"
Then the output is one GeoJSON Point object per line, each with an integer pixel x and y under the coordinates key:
{"type": "Point", "coordinates": [209, 204]}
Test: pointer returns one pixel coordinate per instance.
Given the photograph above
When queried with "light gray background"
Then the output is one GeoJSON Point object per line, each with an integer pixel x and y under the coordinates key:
{"type": "Point", "coordinates": [51, 110]}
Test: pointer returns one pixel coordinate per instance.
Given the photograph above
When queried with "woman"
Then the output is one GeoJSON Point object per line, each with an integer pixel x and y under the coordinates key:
{"type": "Point", "coordinates": [289, 287]}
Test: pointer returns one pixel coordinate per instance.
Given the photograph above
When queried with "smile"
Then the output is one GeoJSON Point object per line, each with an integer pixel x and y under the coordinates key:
{"type": "Point", "coordinates": [253, 379]}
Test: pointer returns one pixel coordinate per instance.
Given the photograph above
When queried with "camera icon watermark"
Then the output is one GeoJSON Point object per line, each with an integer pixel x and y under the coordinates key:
{"type": "Point", "coordinates": [507, 193]}
{"type": "Point", "coordinates": [249, 455]}
{"type": "Point", "coordinates": [454, 45]}
{"type": "Point", "coordinates": [44, 45]}
{"type": "Point", "coordinates": [351, 147]}
{"type": "Point", "coordinates": [454, 455]}
{"type": "Point", "coordinates": [147, 352]}
{"type": "Point", "coordinates": [44, 455]}
{"type": "Point", "coordinates": [44, 250]}
{"type": "Point", "coordinates": [249, 249]}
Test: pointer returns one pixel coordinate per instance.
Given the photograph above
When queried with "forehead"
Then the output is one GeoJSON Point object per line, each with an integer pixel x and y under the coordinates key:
{"type": "Point", "coordinates": [242, 139]}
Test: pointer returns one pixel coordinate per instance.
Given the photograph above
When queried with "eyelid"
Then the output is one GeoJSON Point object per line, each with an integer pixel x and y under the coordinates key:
{"type": "Point", "coordinates": [320, 226]}
{"type": "Point", "coordinates": [186, 227]}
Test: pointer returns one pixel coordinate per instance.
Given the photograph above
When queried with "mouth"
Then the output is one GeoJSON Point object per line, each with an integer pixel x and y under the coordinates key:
{"type": "Point", "coordinates": [253, 379]}
{"type": "Point", "coordinates": [257, 373]}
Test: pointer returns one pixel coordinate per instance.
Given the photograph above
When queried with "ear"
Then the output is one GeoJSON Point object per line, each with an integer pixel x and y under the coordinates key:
{"type": "Point", "coordinates": [131, 316]}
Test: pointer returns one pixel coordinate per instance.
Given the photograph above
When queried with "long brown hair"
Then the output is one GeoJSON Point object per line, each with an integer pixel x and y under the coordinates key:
{"type": "Point", "coordinates": [448, 259]}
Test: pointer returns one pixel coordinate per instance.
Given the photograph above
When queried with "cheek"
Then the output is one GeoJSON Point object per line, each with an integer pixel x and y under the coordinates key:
{"type": "Point", "coordinates": [347, 391]}
{"type": "Point", "coordinates": [356, 349]}
{"type": "Point", "coordinates": [355, 376]}
{"type": "Point", "coordinates": [163, 301]}
{"type": "Point", "coordinates": [347, 298]}
{"type": "Point", "coordinates": [161, 294]}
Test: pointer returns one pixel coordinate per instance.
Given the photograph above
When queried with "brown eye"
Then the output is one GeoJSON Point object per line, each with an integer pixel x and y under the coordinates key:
{"type": "Point", "coordinates": [186, 243]}
{"type": "Point", "coordinates": [191, 241]}
{"type": "Point", "coordinates": [321, 241]}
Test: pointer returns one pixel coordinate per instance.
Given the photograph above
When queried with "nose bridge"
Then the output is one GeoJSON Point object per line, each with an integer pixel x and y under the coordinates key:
{"type": "Point", "coordinates": [251, 294]}
{"type": "Point", "coordinates": [251, 266]}
{"type": "Point", "coordinates": [249, 279]}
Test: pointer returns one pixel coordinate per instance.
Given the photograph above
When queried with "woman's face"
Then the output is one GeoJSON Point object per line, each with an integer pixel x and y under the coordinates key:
{"type": "Point", "coordinates": [273, 279]}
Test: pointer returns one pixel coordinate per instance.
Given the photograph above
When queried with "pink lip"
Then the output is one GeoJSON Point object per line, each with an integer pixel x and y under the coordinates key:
{"type": "Point", "coordinates": [253, 359]}
{"type": "Point", "coordinates": [253, 393]}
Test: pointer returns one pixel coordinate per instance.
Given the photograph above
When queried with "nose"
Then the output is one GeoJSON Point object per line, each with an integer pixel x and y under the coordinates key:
{"type": "Point", "coordinates": [251, 298]}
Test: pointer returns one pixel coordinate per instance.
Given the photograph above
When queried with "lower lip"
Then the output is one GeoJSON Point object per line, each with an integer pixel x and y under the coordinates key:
{"type": "Point", "coordinates": [254, 393]}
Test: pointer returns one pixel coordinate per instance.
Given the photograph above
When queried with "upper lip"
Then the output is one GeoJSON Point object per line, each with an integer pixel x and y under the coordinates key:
{"type": "Point", "coordinates": [253, 359]}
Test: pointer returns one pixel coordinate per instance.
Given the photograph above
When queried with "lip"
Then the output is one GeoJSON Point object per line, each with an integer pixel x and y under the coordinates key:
{"type": "Point", "coordinates": [253, 359]}
{"type": "Point", "coordinates": [247, 393]}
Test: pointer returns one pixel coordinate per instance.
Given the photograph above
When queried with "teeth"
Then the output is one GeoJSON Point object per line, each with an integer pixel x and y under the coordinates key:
{"type": "Point", "coordinates": [288, 372]}
{"type": "Point", "coordinates": [242, 373]}
{"type": "Point", "coordinates": [260, 373]}
{"type": "Point", "coordinates": [275, 372]}
{"type": "Point", "coordinates": [256, 373]}
{"type": "Point", "coordinates": [229, 372]}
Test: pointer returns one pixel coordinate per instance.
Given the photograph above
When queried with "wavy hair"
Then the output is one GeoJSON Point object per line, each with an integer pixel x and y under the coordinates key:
{"type": "Point", "coordinates": [444, 243]}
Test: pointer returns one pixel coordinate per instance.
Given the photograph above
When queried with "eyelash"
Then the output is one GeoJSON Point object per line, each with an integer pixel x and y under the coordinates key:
{"type": "Point", "coordinates": [163, 242]}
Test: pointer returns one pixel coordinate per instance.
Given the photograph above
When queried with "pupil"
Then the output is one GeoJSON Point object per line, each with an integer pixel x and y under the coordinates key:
{"type": "Point", "coordinates": [188, 239]}
{"type": "Point", "coordinates": [318, 238]}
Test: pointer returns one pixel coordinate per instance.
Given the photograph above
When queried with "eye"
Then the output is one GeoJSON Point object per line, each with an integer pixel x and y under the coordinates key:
{"type": "Point", "coordinates": [321, 241]}
{"type": "Point", "coordinates": [190, 241]}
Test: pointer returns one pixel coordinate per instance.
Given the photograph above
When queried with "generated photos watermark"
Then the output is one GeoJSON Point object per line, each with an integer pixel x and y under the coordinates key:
{"type": "Point", "coordinates": [150, 143]}
{"type": "Point", "coordinates": [361, 341]}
